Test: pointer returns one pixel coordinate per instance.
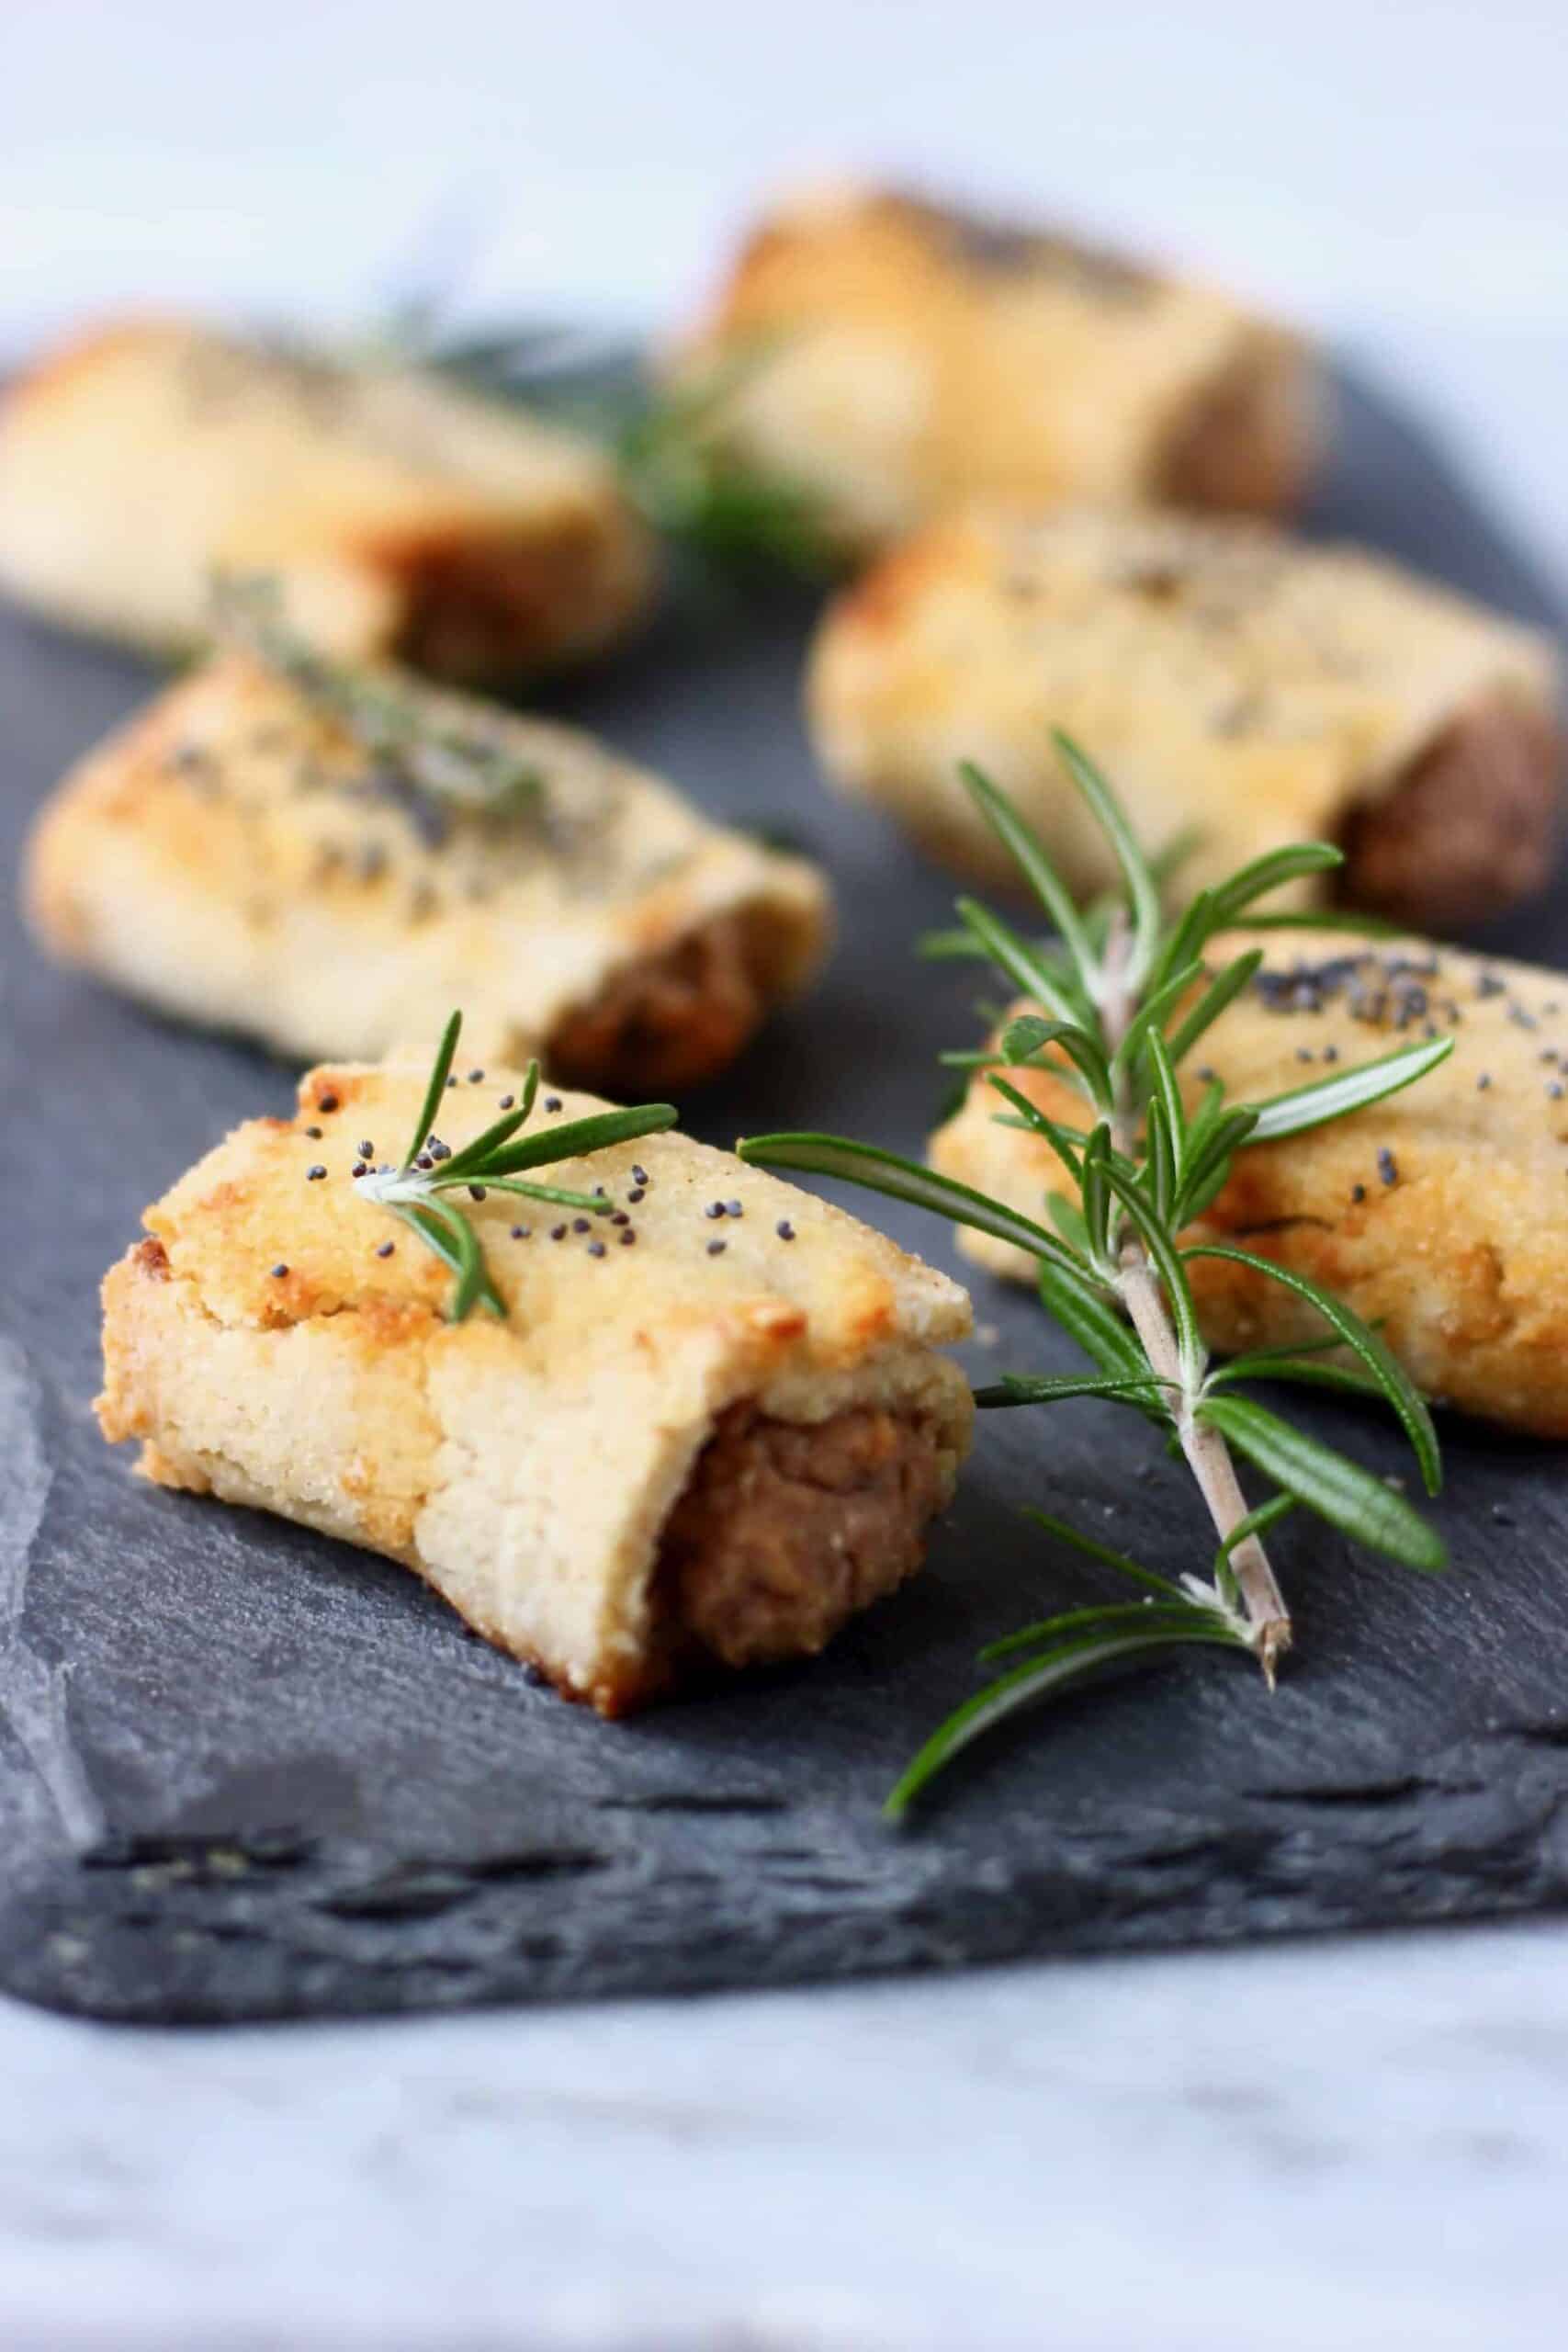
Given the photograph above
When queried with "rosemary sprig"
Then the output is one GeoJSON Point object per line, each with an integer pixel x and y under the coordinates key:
{"type": "Point", "coordinates": [466, 766]}
{"type": "Point", "coordinates": [677, 464]}
{"type": "Point", "coordinates": [1123, 996]}
{"type": "Point", "coordinates": [683, 474]}
{"type": "Point", "coordinates": [420, 1191]}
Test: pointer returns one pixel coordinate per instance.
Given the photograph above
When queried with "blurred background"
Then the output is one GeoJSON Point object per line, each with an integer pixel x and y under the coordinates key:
{"type": "Point", "coordinates": [1395, 174]}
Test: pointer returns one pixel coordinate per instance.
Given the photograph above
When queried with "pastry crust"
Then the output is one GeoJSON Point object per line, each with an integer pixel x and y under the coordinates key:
{"type": "Point", "coordinates": [1441, 1214]}
{"type": "Point", "coordinates": [527, 1468]}
{"type": "Point", "coordinates": [1230, 681]}
{"type": "Point", "coordinates": [234, 856]}
{"type": "Point", "coordinates": [402, 516]}
{"type": "Point", "coordinates": [897, 356]}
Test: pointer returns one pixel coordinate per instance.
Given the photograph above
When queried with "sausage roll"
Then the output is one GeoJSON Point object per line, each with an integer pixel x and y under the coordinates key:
{"type": "Point", "coordinates": [1239, 687]}
{"type": "Point", "coordinates": [403, 516]}
{"type": "Point", "coordinates": [895, 355]}
{"type": "Point", "coordinates": [693, 1439]}
{"type": "Point", "coordinates": [1441, 1214]}
{"type": "Point", "coordinates": [239, 854]}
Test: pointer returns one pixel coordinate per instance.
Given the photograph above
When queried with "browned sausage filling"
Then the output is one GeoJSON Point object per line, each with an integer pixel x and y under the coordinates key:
{"type": "Point", "coordinates": [1245, 446]}
{"type": "Point", "coordinates": [479, 611]}
{"type": "Point", "coordinates": [672, 1020]}
{"type": "Point", "coordinates": [784, 1530]}
{"type": "Point", "coordinates": [1469, 829]}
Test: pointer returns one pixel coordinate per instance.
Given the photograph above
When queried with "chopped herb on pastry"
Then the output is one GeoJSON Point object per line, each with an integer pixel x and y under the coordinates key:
{"type": "Point", "coordinates": [1243, 688]}
{"type": "Point", "coordinates": [328, 858]}
{"type": "Point", "coordinates": [402, 516]}
{"type": "Point", "coordinates": [1441, 1214]}
{"type": "Point", "coordinates": [709, 1425]}
{"type": "Point", "coordinates": [897, 356]}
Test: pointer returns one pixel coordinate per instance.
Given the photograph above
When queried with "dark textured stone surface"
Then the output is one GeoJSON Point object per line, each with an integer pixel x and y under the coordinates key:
{"type": "Point", "coordinates": [245, 1771]}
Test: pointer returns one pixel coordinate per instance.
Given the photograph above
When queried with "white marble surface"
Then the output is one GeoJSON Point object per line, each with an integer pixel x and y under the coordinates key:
{"type": "Point", "coordinates": [1342, 2144]}
{"type": "Point", "coordinates": [1351, 2144]}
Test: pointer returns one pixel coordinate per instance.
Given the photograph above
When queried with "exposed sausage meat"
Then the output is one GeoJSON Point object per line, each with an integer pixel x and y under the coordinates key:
{"type": "Point", "coordinates": [786, 1529]}
{"type": "Point", "coordinates": [1471, 827]}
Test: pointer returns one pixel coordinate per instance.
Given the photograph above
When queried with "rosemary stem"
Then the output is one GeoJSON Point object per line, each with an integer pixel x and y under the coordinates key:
{"type": "Point", "coordinates": [1209, 1459]}
{"type": "Point", "coordinates": [1208, 1456]}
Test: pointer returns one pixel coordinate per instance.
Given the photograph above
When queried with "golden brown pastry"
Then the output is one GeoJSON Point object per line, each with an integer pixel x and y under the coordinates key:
{"type": "Point", "coordinates": [1236, 684]}
{"type": "Point", "coordinates": [402, 516]}
{"type": "Point", "coordinates": [240, 855]}
{"type": "Point", "coordinates": [895, 355]}
{"type": "Point", "coordinates": [693, 1439]}
{"type": "Point", "coordinates": [1441, 1214]}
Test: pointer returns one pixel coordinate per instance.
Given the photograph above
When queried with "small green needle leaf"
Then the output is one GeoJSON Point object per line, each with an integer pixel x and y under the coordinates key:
{"type": "Point", "coordinates": [1067, 1143]}
{"type": "Point", "coordinates": [1106, 1556]}
{"type": "Point", "coordinates": [1347, 1090]}
{"type": "Point", "coordinates": [1390, 1376]}
{"type": "Point", "coordinates": [1027, 1037]}
{"type": "Point", "coordinates": [1086, 1315]}
{"type": "Point", "coordinates": [1028, 972]}
{"type": "Point", "coordinates": [441, 1230]}
{"type": "Point", "coordinates": [1118, 1616]}
{"type": "Point", "coordinates": [1338, 1491]}
{"type": "Point", "coordinates": [903, 1180]}
{"type": "Point", "coordinates": [1073, 1661]}
{"type": "Point", "coordinates": [1068, 1220]}
{"type": "Point", "coordinates": [1143, 890]}
{"type": "Point", "coordinates": [1223, 991]}
{"type": "Point", "coordinates": [1168, 1093]}
{"type": "Point", "coordinates": [1268, 873]}
{"type": "Point", "coordinates": [1152, 1014]}
{"type": "Point", "coordinates": [1031, 856]}
{"type": "Point", "coordinates": [483, 1147]}
{"type": "Point", "coordinates": [1019, 1388]}
{"type": "Point", "coordinates": [1362, 926]}
{"type": "Point", "coordinates": [426, 1198]}
{"type": "Point", "coordinates": [578, 1137]}
{"type": "Point", "coordinates": [439, 1073]}
{"type": "Point", "coordinates": [1305, 1371]}
{"type": "Point", "coordinates": [1093, 1549]}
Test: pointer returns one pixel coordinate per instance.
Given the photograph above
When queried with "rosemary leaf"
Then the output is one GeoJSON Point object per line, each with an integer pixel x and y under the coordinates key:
{"type": "Point", "coordinates": [1071, 1662]}
{"type": "Point", "coordinates": [440, 1071]}
{"type": "Point", "coordinates": [903, 1180]}
{"type": "Point", "coordinates": [419, 1193]}
{"type": "Point", "coordinates": [1142, 890]}
{"type": "Point", "coordinates": [1018, 1390]}
{"type": "Point", "coordinates": [1085, 1315]}
{"type": "Point", "coordinates": [580, 1137]}
{"type": "Point", "coordinates": [1267, 873]}
{"type": "Point", "coordinates": [1120, 1616]}
{"type": "Point", "coordinates": [484, 1145]}
{"type": "Point", "coordinates": [1067, 1143]}
{"type": "Point", "coordinates": [1303, 1371]}
{"type": "Point", "coordinates": [1381, 1369]}
{"type": "Point", "coordinates": [1093, 1549]}
{"type": "Point", "coordinates": [1350, 1089]}
{"type": "Point", "coordinates": [1030, 855]}
{"type": "Point", "coordinates": [1152, 1016]}
{"type": "Point", "coordinates": [1336, 1489]}
{"type": "Point", "coordinates": [1025, 1039]}
{"type": "Point", "coordinates": [1222, 990]}
{"type": "Point", "coordinates": [1027, 970]}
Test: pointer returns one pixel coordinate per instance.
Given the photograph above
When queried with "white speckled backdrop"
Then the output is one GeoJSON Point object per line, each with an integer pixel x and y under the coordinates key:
{"type": "Point", "coordinates": [1279, 2148]}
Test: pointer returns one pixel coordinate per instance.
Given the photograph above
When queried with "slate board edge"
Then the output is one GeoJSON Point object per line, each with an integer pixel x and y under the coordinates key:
{"type": "Point", "coordinates": [127, 1933]}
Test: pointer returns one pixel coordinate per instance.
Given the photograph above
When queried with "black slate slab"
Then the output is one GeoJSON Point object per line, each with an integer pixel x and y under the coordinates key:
{"type": "Point", "coordinates": [245, 1771]}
